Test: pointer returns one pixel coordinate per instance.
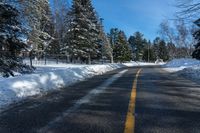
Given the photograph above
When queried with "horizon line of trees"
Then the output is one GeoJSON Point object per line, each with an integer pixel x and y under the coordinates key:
{"type": "Point", "coordinates": [77, 34]}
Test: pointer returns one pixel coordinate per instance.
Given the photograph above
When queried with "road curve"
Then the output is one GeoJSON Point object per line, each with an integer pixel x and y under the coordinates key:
{"type": "Point", "coordinates": [164, 103]}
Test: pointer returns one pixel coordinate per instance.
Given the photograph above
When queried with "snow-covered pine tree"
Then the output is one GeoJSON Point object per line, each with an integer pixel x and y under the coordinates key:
{"type": "Point", "coordinates": [106, 49]}
{"type": "Point", "coordinates": [137, 44]}
{"type": "Point", "coordinates": [95, 26]}
{"type": "Point", "coordinates": [121, 51]}
{"type": "Point", "coordinates": [82, 35]}
{"type": "Point", "coordinates": [38, 15]}
{"type": "Point", "coordinates": [9, 28]}
{"type": "Point", "coordinates": [160, 49]}
{"type": "Point", "coordinates": [113, 36]}
{"type": "Point", "coordinates": [196, 53]}
{"type": "Point", "coordinates": [12, 38]}
{"type": "Point", "coordinates": [75, 36]}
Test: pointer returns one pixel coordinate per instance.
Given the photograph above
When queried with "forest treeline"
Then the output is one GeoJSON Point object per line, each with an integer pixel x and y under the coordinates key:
{"type": "Point", "coordinates": [41, 29]}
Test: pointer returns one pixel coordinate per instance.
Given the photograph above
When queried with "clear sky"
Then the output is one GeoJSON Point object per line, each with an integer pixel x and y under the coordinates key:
{"type": "Point", "coordinates": [135, 15]}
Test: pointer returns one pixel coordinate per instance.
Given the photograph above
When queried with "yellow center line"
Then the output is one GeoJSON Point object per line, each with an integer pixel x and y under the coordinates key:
{"type": "Point", "coordinates": [130, 118]}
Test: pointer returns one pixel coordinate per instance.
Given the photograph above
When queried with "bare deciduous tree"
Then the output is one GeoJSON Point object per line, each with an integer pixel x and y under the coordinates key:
{"type": "Point", "coordinates": [179, 35]}
{"type": "Point", "coordinates": [188, 9]}
{"type": "Point", "coordinates": [168, 35]}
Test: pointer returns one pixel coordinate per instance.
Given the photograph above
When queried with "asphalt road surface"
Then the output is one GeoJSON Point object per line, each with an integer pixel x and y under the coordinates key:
{"type": "Point", "coordinates": [164, 103]}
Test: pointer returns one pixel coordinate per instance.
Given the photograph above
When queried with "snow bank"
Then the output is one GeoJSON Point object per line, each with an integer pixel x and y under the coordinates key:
{"type": "Point", "coordinates": [51, 77]}
{"type": "Point", "coordinates": [47, 78]}
{"type": "Point", "coordinates": [133, 63]}
{"type": "Point", "coordinates": [192, 73]}
{"type": "Point", "coordinates": [189, 68]}
{"type": "Point", "coordinates": [183, 62]}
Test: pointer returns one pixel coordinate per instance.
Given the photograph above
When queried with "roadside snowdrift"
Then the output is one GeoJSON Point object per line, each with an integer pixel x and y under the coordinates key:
{"type": "Point", "coordinates": [47, 78]}
{"type": "Point", "coordinates": [189, 68]}
{"type": "Point", "coordinates": [183, 62]}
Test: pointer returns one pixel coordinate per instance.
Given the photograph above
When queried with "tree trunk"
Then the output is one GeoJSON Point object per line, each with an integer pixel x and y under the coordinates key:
{"type": "Point", "coordinates": [68, 59]}
{"type": "Point", "coordinates": [111, 59]}
{"type": "Point", "coordinates": [89, 59]}
{"type": "Point", "coordinates": [30, 57]}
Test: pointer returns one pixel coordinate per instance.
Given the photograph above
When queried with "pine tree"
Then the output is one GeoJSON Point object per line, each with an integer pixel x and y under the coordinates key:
{"type": "Point", "coordinates": [106, 49]}
{"type": "Point", "coordinates": [160, 49]}
{"type": "Point", "coordinates": [137, 44]}
{"type": "Point", "coordinates": [163, 53]}
{"type": "Point", "coordinates": [121, 50]}
{"type": "Point", "coordinates": [38, 15]}
{"type": "Point", "coordinates": [95, 27]}
{"type": "Point", "coordinates": [82, 36]}
{"type": "Point", "coordinates": [12, 38]}
{"type": "Point", "coordinates": [196, 53]}
{"type": "Point", "coordinates": [76, 37]}
{"type": "Point", "coordinates": [156, 42]}
{"type": "Point", "coordinates": [149, 54]}
{"type": "Point", "coordinates": [12, 35]}
{"type": "Point", "coordinates": [113, 36]}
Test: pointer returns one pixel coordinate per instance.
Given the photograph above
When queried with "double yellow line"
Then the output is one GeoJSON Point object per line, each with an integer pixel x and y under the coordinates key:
{"type": "Point", "coordinates": [130, 118]}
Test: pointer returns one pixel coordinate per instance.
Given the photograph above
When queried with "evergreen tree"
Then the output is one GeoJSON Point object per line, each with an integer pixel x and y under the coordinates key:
{"type": "Point", "coordinates": [38, 15]}
{"type": "Point", "coordinates": [82, 36]}
{"type": "Point", "coordinates": [160, 49]}
{"type": "Point", "coordinates": [113, 36]}
{"type": "Point", "coordinates": [149, 54]}
{"type": "Point", "coordinates": [53, 48]}
{"type": "Point", "coordinates": [196, 53]}
{"type": "Point", "coordinates": [131, 42]}
{"type": "Point", "coordinates": [12, 38]}
{"type": "Point", "coordinates": [163, 53]}
{"type": "Point", "coordinates": [137, 44]}
{"type": "Point", "coordinates": [156, 43]}
{"type": "Point", "coordinates": [121, 50]}
{"type": "Point", "coordinates": [95, 28]}
{"type": "Point", "coordinates": [106, 49]}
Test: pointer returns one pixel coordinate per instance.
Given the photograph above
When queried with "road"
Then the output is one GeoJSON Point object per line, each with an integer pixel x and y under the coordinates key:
{"type": "Point", "coordinates": [122, 101]}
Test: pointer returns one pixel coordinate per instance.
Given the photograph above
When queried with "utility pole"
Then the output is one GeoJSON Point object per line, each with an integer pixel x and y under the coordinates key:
{"type": "Point", "coordinates": [101, 34]}
{"type": "Point", "coordinates": [148, 51]}
{"type": "Point", "coordinates": [149, 46]}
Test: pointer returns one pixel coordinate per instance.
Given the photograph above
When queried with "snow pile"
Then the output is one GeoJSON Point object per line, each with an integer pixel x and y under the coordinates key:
{"type": "Point", "coordinates": [133, 63]}
{"type": "Point", "coordinates": [183, 62]}
{"type": "Point", "coordinates": [47, 78]}
{"type": "Point", "coordinates": [192, 73]}
{"type": "Point", "coordinates": [189, 68]}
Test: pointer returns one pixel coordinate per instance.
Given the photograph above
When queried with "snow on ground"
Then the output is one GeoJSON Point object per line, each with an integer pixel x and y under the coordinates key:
{"type": "Point", "coordinates": [50, 77]}
{"type": "Point", "coordinates": [189, 68]}
{"type": "Point", "coordinates": [133, 63]}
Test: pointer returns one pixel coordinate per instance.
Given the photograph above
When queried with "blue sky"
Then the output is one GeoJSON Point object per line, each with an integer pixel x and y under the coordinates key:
{"type": "Point", "coordinates": [135, 15]}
